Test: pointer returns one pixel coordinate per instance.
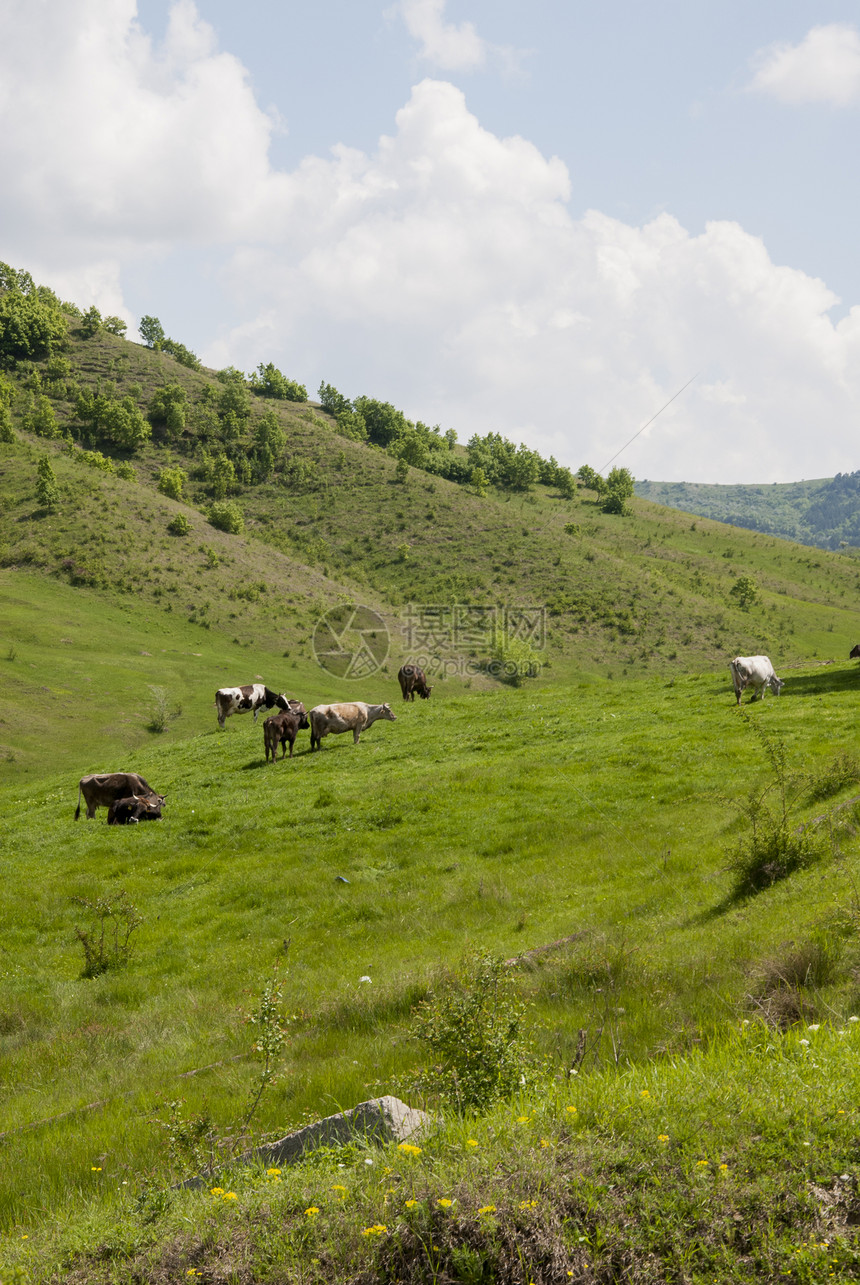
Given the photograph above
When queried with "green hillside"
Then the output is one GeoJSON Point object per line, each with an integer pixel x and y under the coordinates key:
{"type": "Point", "coordinates": [824, 512]}
{"type": "Point", "coordinates": [670, 880]}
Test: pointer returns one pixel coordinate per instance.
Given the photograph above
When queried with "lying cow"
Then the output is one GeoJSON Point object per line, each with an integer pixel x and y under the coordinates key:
{"type": "Point", "coordinates": [282, 729]}
{"type": "Point", "coordinates": [412, 680]}
{"type": "Point", "coordinates": [131, 810]}
{"type": "Point", "coordinates": [351, 716]}
{"type": "Point", "coordinates": [101, 789]}
{"type": "Point", "coordinates": [854, 653]}
{"type": "Point", "coordinates": [238, 700]}
{"type": "Point", "coordinates": [756, 672]}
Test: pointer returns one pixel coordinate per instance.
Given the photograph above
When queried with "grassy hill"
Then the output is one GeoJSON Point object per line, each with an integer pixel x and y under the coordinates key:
{"type": "Point", "coordinates": [824, 512]}
{"type": "Point", "coordinates": [690, 965]}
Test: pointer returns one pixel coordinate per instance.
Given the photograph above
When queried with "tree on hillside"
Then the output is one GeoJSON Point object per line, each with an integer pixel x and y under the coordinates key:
{"type": "Point", "coordinates": [168, 405]}
{"type": "Point", "coordinates": [47, 491]}
{"type": "Point", "coordinates": [30, 327]}
{"type": "Point", "coordinates": [590, 479]}
{"type": "Point", "coordinates": [115, 326]}
{"type": "Point", "coordinates": [268, 381]}
{"type": "Point", "coordinates": [91, 322]}
{"type": "Point", "coordinates": [618, 489]}
{"type": "Point", "coordinates": [151, 332]}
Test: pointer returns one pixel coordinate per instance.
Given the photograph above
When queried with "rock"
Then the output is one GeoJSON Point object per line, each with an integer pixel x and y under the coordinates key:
{"type": "Point", "coordinates": [380, 1120]}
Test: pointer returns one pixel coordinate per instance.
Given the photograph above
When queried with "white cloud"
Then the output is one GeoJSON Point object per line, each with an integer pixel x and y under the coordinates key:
{"type": "Point", "coordinates": [448, 46]}
{"type": "Point", "coordinates": [823, 68]}
{"type": "Point", "coordinates": [442, 271]}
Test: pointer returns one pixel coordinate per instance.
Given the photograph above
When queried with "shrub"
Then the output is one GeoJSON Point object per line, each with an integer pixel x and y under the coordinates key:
{"type": "Point", "coordinates": [40, 419]}
{"type": "Point", "coordinates": [161, 712]}
{"type": "Point", "coordinates": [30, 327]}
{"type": "Point", "coordinates": [268, 381]}
{"type": "Point", "coordinates": [6, 432]}
{"type": "Point", "coordinates": [115, 326]}
{"type": "Point", "coordinates": [151, 332]}
{"type": "Point", "coordinates": [512, 659]}
{"type": "Point", "coordinates": [47, 491]}
{"type": "Point", "coordinates": [474, 1026]}
{"type": "Point", "coordinates": [227, 516]}
{"type": "Point", "coordinates": [180, 353]}
{"type": "Point", "coordinates": [179, 525]}
{"type": "Point", "coordinates": [107, 941]}
{"type": "Point", "coordinates": [171, 482]}
{"type": "Point", "coordinates": [126, 471]}
{"type": "Point", "coordinates": [744, 592]}
{"type": "Point", "coordinates": [91, 322]}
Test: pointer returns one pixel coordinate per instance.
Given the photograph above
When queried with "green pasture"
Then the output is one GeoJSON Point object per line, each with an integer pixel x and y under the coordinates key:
{"type": "Point", "coordinates": [597, 812]}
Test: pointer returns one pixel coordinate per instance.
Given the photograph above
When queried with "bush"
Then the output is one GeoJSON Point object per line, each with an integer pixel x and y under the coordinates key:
{"type": "Point", "coordinates": [171, 482]}
{"type": "Point", "coordinates": [179, 525]}
{"type": "Point", "coordinates": [91, 322]}
{"type": "Point", "coordinates": [40, 419]}
{"type": "Point", "coordinates": [47, 491]}
{"type": "Point", "coordinates": [227, 516]}
{"type": "Point", "coordinates": [512, 659]}
{"type": "Point", "coordinates": [268, 381]}
{"type": "Point", "coordinates": [6, 432]}
{"type": "Point", "coordinates": [474, 1026]}
{"type": "Point", "coordinates": [30, 327]}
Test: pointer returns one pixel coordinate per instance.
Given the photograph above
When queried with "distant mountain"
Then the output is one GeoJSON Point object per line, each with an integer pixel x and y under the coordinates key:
{"type": "Point", "coordinates": [824, 512]}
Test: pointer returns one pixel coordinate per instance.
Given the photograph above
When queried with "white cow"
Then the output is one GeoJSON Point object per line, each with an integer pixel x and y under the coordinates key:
{"type": "Point", "coordinates": [756, 672]}
{"type": "Point", "coordinates": [238, 700]}
{"type": "Point", "coordinates": [351, 716]}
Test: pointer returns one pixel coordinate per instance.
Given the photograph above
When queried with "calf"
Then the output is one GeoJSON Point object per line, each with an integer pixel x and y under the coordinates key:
{"type": "Point", "coordinates": [412, 680]}
{"type": "Point", "coordinates": [238, 700]}
{"type": "Point", "coordinates": [282, 729]}
{"type": "Point", "coordinates": [101, 789]}
{"type": "Point", "coordinates": [131, 810]}
{"type": "Point", "coordinates": [756, 672]}
{"type": "Point", "coordinates": [350, 716]}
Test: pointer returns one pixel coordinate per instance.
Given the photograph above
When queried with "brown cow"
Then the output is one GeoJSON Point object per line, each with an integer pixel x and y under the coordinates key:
{"type": "Point", "coordinates": [130, 811]}
{"type": "Point", "coordinates": [101, 789]}
{"type": "Point", "coordinates": [412, 680]}
{"type": "Point", "coordinates": [350, 716]}
{"type": "Point", "coordinates": [281, 729]}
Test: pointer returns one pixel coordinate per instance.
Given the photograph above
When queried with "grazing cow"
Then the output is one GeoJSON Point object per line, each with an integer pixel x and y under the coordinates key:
{"type": "Point", "coordinates": [131, 810]}
{"type": "Point", "coordinates": [351, 716]}
{"type": "Point", "coordinates": [756, 672]}
{"type": "Point", "coordinates": [238, 700]}
{"type": "Point", "coordinates": [854, 653]}
{"type": "Point", "coordinates": [280, 729]}
{"type": "Point", "coordinates": [412, 680]}
{"type": "Point", "coordinates": [101, 789]}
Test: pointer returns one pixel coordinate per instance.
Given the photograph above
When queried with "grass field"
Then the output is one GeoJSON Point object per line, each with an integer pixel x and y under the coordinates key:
{"type": "Point", "coordinates": [602, 827]}
{"type": "Point", "coordinates": [506, 819]}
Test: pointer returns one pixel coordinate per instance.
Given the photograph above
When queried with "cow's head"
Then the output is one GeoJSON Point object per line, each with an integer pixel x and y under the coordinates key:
{"type": "Point", "coordinates": [776, 685]}
{"type": "Point", "coordinates": [280, 701]}
{"type": "Point", "coordinates": [424, 692]}
{"type": "Point", "coordinates": [385, 712]}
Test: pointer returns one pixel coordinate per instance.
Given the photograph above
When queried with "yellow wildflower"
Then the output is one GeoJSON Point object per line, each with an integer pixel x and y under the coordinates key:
{"type": "Point", "coordinates": [410, 1204]}
{"type": "Point", "coordinates": [311, 1211]}
{"type": "Point", "coordinates": [487, 1209]}
{"type": "Point", "coordinates": [96, 1168]}
{"type": "Point", "coordinates": [523, 1119]}
{"type": "Point", "coordinates": [471, 1142]}
{"type": "Point", "coordinates": [216, 1191]}
{"type": "Point", "coordinates": [378, 1229]}
{"type": "Point", "coordinates": [662, 1137]}
{"type": "Point", "coordinates": [230, 1195]}
{"type": "Point", "coordinates": [444, 1203]}
{"type": "Point", "coordinates": [273, 1172]}
{"type": "Point", "coordinates": [338, 1186]}
{"type": "Point", "coordinates": [571, 1110]}
{"type": "Point", "coordinates": [528, 1204]}
{"type": "Point", "coordinates": [409, 1149]}
{"type": "Point", "coordinates": [545, 1142]}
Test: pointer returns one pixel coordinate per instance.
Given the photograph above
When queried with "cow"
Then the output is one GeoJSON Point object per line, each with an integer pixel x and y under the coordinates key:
{"type": "Point", "coordinates": [412, 680]}
{"type": "Point", "coordinates": [756, 672]}
{"type": "Point", "coordinates": [854, 653]}
{"type": "Point", "coordinates": [238, 700]}
{"type": "Point", "coordinates": [280, 729]}
{"type": "Point", "coordinates": [131, 810]}
{"type": "Point", "coordinates": [101, 789]}
{"type": "Point", "coordinates": [351, 716]}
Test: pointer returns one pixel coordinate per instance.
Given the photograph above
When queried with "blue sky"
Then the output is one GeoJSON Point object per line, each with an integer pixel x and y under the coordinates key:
{"type": "Point", "coordinates": [534, 218]}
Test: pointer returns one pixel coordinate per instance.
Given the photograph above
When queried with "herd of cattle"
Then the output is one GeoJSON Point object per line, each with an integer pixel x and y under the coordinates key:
{"type": "Point", "coordinates": [129, 799]}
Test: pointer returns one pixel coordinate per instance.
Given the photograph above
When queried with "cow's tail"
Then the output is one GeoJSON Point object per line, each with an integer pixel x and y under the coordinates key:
{"type": "Point", "coordinates": [78, 808]}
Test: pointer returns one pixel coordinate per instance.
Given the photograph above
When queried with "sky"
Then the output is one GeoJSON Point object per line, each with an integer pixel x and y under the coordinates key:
{"type": "Point", "coordinates": [541, 218]}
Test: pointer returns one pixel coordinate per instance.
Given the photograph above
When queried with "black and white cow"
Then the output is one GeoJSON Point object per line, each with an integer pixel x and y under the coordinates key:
{"type": "Point", "coordinates": [238, 700]}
